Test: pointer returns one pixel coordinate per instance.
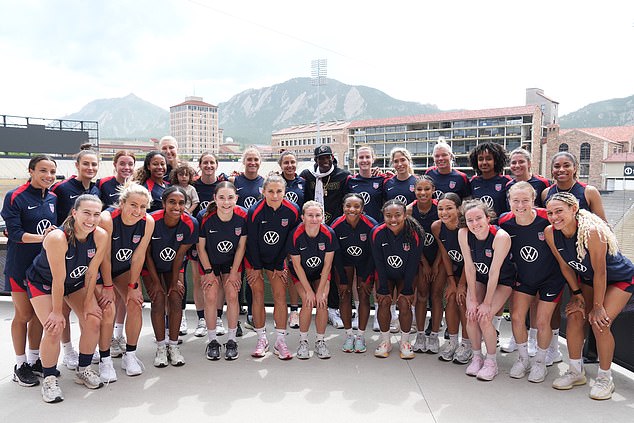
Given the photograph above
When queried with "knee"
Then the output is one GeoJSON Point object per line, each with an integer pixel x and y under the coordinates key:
{"type": "Point", "coordinates": [231, 295]}
{"type": "Point", "coordinates": [344, 292]}
{"type": "Point", "coordinates": [92, 323]}
{"type": "Point", "coordinates": [109, 313]}
{"type": "Point", "coordinates": [404, 303]}
{"type": "Point", "coordinates": [576, 320]}
{"type": "Point", "coordinates": [517, 319]}
{"type": "Point", "coordinates": [23, 316]}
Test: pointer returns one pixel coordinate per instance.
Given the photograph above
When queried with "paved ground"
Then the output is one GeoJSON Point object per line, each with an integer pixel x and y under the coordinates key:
{"type": "Point", "coordinates": [346, 386]}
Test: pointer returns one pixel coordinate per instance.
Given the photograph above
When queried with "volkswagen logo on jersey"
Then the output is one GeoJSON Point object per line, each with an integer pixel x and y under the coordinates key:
{"type": "Point", "coordinates": [291, 196]}
{"type": "Point", "coordinates": [248, 202]}
{"type": "Point", "coordinates": [365, 196]}
{"type": "Point", "coordinates": [204, 205]}
{"type": "Point", "coordinates": [395, 261]}
{"type": "Point", "coordinates": [78, 272]}
{"type": "Point", "coordinates": [179, 237]}
{"type": "Point", "coordinates": [271, 237]}
{"type": "Point", "coordinates": [529, 254]}
{"type": "Point", "coordinates": [42, 225]}
{"type": "Point", "coordinates": [429, 239]}
{"type": "Point", "coordinates": [437, 194]}
{"type": "Point", "coordinates": [167, 254]}
{"type": "Point", "coordinates": [482, 268]}
{"type": "Point", "coordinates": [225, 246]}
{"type": "Point", "coordinates": [354, 251]}
{"type": "Point", "coordinates": [313, 262]}
{"type": "Point", "coordinates": [401, 198]}
{"type": "Point", "coordinates": [124, 254]}
{"type": "Point", "coordinates": [455, 255]}
{"type": "Point", "coordinates": [577, 266]}
{"type": "Point", "coordinates": [487, 200]}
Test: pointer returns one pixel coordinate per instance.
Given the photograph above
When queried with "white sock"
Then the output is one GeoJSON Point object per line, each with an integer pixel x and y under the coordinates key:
{"type": "Point", "coordinates": [606, 373]}
{"type": "Point", "coordinates": [577, 365]}
{"type": "Point", "coordinates": [492, 357]}
{"type": "Point", "coordinates": [466, 342]}
{"type": "Point", "coordinates": [173, 343]}
{"type": "Point", "coordinates": [554, 342]}
{"type": "Point", "coordinates": [303, 336]}
{"type": "Point", "coordinates": [211, 335]}
{"type": "Point", "coordinates": [118, 330]}
{"type": "Point", "coordinates": [320, 336]}
{"type": "Point", "coordinates": [540, 356]}
{"type": "Point", "coordinates": [231, 334]}
{"type": "Point", "coordinates": [162, 343]}
{"type": "Point", "coordinates": [497, 321]}
{"type": "Point", "coordinates": [261, 332]}
{"type": "Point", "coordinates": [281, 334]}
{"type": "Point", "coordinates": [532, 334]}
{"type": "Point", "coordinates": [32, 356]}
{"type": "Point", "coordinates": [20, 360]}
{"type": "Point", "coordinates": [68, 348]}
{"type": "Point", "coordinates": [360, 333]}
{"type": "Point", "coordinates": [522, 350]}
{"type": "Point", "coordinates": [349, 332]}
{"type": "Point", "coordinates": [385, 337]}
{"type": "Point", "coordinates": [453, 338]}
{"type": "Point", "coordinates": [404, 337]}
{"type": "Point", "coordinates": [433, 334]}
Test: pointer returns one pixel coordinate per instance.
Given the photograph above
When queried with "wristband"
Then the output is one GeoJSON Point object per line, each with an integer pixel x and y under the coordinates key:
{"type": "Point", "coordinates": [133, 285]}
{"type": "Point", "coordinates": [576, 291]}
{"type": "Point", "coordinates": [207, 271]}
{"type": "Point", "coordinates": [108, 286]}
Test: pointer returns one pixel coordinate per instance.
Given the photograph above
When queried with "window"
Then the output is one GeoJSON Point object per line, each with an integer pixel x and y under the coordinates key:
{"type": "Point", "coordinates": [584, 153]}
{"type": "Point", "coordinates": [563, 147]}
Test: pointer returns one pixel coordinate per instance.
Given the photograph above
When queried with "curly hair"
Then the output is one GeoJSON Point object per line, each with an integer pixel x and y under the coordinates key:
{"type": "Point", "coordinates": [500, 158]}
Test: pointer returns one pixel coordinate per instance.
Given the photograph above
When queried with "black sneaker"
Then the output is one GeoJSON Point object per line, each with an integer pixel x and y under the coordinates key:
{"type": "Point", "coordinates": [37, 368]}
{"type": "Point", "coordinates": [24, 375]}
{"type": "Point", "coordinates": [213, 350]}
{"type": "Point", "coordinates": [239, 330]}
{"type": "Point", "coordinates": [231, 350]}
{"type": "Point", "coordinates": [243, 311]}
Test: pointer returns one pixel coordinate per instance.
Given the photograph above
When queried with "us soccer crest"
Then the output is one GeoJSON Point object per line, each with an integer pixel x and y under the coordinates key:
{"type": "Point", "coordinates": [91, 253]}
{"type": "Point", "coordinates": [540, 235]}
{"type": "Point", "coordinates": [321, 246]}
{"type": "Point", "coordinates": [498, 187]}
{"type": "Point", "coordinates": [375, 185]}
{"type": "Point", "coordinates": [363, 237]}
{"type": "Point", "coordinates": [488, 253]}
{"type": "Point", "coordinates": [238, 231]}
{"type": "Point", "coordinates": [284, 222]}
{"type": "Point", "coordinates": [136, 239]}
{"type": "Point", "coordinates": [411, 188]}
{"type": "Point", "coordinates": [179, 237]}
{"type": "Point", "coordinates": [406, 246]}
{"type": "Point", "coordinates": [52, 207]}
{"type": "Point", "coordinates": [452, 184]}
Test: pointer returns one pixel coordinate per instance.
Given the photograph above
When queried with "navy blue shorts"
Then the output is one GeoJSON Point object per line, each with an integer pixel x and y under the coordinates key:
{"type": "Point", "coordinates": [549, 289]}
{"type": "Point", "coordinates": [12, 285]}
{"type": "Point", "coordinates": [36, 289]}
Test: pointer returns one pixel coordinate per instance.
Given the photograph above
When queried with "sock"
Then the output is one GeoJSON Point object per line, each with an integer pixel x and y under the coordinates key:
{"type": "Point", "coordinates": [349, 332]}
{"type": "Point", "coordinates": [118, 330]}
{"type": "Point", "coordinates": [130, 348]}
{"type": "Point", "coordinates": [522, 350]}
{"type": "Point", "coordinates": [393, 311]}
{"type": "Point", "coordinates": [540, 356]}
{"type": "Point", "coordinates": [360, 333]}
{"type": "Point", "coordinates": [554, 342]}
{"type": "Point", "coordinates": [477, 352]}
{"type": "Point", "coordinates": [49, 371]}
{"type": "Point", "coordinates": [492, 357]}
{"type": "Point", "coordinates": [385, 336]}
{"type": "Point", "coordinates": [497, 320]}
{"type": "Point", "coordinates": [577, 365]}
{"type": "Point", "coordinates": [68, 348]}
{"type": "Point", "coordinates": [211, 335]}
{"type": "Point", "coordinates": [173, 343]}
{"type": "Point", "coordinates": [104, 353]}
{"type": "Point", "coordinates": [84, 360]}
{"type": "Point", "coordinates": [161, 343]}
{"type": "Point", "coordinates": [433, 335]}
{"type": "Point", "coordinates": [404, 337]}
{"type": "Point", "coordinates": [200, 314]}
{"type": "Point", "coordinates": [320, 337]}
{"type": "Point", "coordinates": [532, 334]}
{"type": "Point", "coordinates": [281, 334]}
{"type": "Point", "coordinates": [32, 356]}
{"type": "Point", "coordinates": [294, 307]}
{"type": "Point", "coordinates": [219, 313]}
{"type": "Point", "coordinates": [356, 305]}
{"type": "Point", "coordinates": [231, 334]}
{"type": "Point", "coordinates": [20, 360]}
{"type": "Point", "coordinates": [466, 342]}
{"type": "Point", "coordinates": [303, 336]}
{"type": "Point", "coordinates": [453, 338]}
{"type": "Point", "coordinates": [605, 373]}
{"type": "Point", "coordinates": [261, 333]}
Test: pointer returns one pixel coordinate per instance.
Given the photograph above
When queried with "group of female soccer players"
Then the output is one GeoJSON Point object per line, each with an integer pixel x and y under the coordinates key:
{"type": "Point", "coordinates": [464, 245]}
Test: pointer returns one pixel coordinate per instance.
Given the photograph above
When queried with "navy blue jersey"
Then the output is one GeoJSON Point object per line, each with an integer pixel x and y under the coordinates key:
{"type": "Point", "coordinates": [578, 190]}
{"type": "Point", "coordinates": [312, 251]}
{"type": "Point", "coordinates": [538, 182]}
{"type": "Point", "coordinates": [354, 245]}
{"type": "Point", "coordinates": [249, 190]}
{"type": "Point", "coordinates": [372, 191]}
{"type": "Point", "coordinates": [67, 192]}
{"type": "Point", "coordinates": [482, 256]}
{"type": "Point", "coordinates": [269, 231]}
{"type": "Point", "coordinates": [295, 190]}
{"type": "Point", "coordinates": [108, 190]}
{"type": "Point", "coordinates": [26, 210]}
{"type": "Point", "coordinates": [125, 240]}
{"type": "Point", "coordinates": [430, 247]}
{"type": "Point", "coordinates": [222, 238]}
{"type": "Point", "coordinates": [166, 241]}
{"type": "Point", "coordinates": [618, 267]}
{"type": "Point", "coordinates": [395, 258]}
{"type": "Point", "coordinates": [449, 240]}
{"type": "Point", "coordinates": [454, 181]}
{"type": "Point", "coordinates": [491, 192]}
{"type": "Point", "coordinates": [400, 190]}
{"type": "Point", "coordinates": [78, 257]}
{"type": "Point", "coordinates": [531, 254]}
{"type": "Point", "coordinates": [206, 191]}
{"type": "Point", "coordinates": [156, 191]}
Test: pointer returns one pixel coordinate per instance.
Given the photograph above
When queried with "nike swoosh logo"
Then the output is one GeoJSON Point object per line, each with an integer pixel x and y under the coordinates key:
{"type": "Point", "coordinates": [265, 221]}
{"type": "Point", "coordinates": [391, 188]}
{"type": "Point", "coordinates": [31, 207]}
{"type": "Point", "coordinates": [550, 295]}
{"type": "Point", "coordinates": [302, 249]}
{"type": "Point", "coordinates": [112, 195]}
{"type": "Point", "coordinates": [343, 237]}
{"type": "Point", "coordinates": [384, 244]}
{"type": "Point", "coordinates": [155, 237]}
{"type": "Point", "coordinates": [512, 236]}
{"type": "Point", "coordinates": [475, 188]}
{"type": "Point", "coordinates": [354, 186]}
{"type": "Point", "coordinates": [115, 238]}
{"type": "Point", "coordinates": [238, 189]}
{"type": "Point", "coordinates": [74, 196]}
{"type": "Point", "coordinates": [212, 232]}
{"type": "Point", "coordinates": [68, 258]}
{"type": "Point", "coordinates": [560, 249]}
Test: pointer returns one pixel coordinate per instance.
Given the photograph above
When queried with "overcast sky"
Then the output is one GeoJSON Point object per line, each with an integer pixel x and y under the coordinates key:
{"type": "Point", "coordinates": [58, 55]}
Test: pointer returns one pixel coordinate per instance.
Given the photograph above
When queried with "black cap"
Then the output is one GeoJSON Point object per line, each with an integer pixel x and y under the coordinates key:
{"type": "Point", "coordinates": [323, 150]}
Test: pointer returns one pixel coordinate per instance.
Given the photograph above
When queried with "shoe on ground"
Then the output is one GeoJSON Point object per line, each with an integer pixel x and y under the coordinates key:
{"type": "Point", "coordinates": [303, 352]}
{"type": "Point", "coordinates": [383, 349]}
{"type": "Point", "coordinates": [322, 349]}
{"type": "Point", "coordinates": [511, 346]}
{"type": "Point", "coordinates": [220, 327]}
{"type": "Point", "coordinates": [106, 370]}
{"type": "Point", "coordinates": [433, 344]}
{"type": "Point", "coordinates": [201, 328]}
{"type": "Point", "coordinates": [24, 375]}
{"type": "Point", "coordinates": [37, 368]}
{"type": "Point", "coordinates": [51, 391]}
{"type": "Point", "coordinates": [348, 344]}
{"type": "Point", "coordinates": [570, 379]}
{"type": "Point", "coordinates": [405, 349]}
{"type": "Point", "coordinates": [520, 368]}
{"type": "Point", "coordinates": [602, 389]}
{"type": "Point", "coordinates": [359, 344]}
{"type": "Point", "coordinates": [213, 350]}
{"type": "Point", "coordinates": [463, 354]}
{"type": "Point", "coordinates": [334, 318]}
{"type": "Point", "coordinates": [261, 348]}
{"type": "Point", "coordinates": [183, 328]}
{"type": "Point", "coordinates": [293, 319]}
{"type": "Point", "coordinates": [474, 367]}
{"type": "Point", "coordinates": [553, 355]}
{"type": "Point", "coordinates": [239, 332]}
{"type": "Point", "coordinates": [420, 343]}
{"type": "Point", "coordinates": [231, 350]}
{"type": "Point", "coordinates": [160, 359]}
{"type": "Point", "coordinates": [448, 350]}
{"type": "Point", "coordinates": [248, 324]}
{"type": "Point", "coordinates": [280, 349]}
{"type": "Point", "coordinates": [71, 360]}
{"type": "Point", "coordinates": [538, 373]}
{"type": "Point", "coordinates": [89, 378]}
{"type": "Point", "coordinates": [117, 347]}
{"type": "Point", "coordinates": [488, 371]}
{"type": "Point", "coordinates": [175, 356]}
{"type": "Point", "coordinates": [132, 365]}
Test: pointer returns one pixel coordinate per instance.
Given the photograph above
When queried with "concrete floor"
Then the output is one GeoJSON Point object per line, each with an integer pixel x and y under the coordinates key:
{"type": "Point", "coordinates": [345, 387]}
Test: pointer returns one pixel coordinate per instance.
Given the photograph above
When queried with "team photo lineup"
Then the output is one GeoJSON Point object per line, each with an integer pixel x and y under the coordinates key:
{"type": "Point", "coordinates": [329, 244]}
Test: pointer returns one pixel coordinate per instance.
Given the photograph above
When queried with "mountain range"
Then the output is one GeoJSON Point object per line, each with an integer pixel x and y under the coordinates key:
{"type": "Point", "coordinates": [614, 112]}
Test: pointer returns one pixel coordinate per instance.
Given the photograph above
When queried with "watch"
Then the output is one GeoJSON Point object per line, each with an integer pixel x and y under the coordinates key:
{"type": "Point", "coordinates": [208, 271]}
{"type": "Point", "coordinates": [133, 285]}
{"type": "Point", "coordinates": [576, 291]}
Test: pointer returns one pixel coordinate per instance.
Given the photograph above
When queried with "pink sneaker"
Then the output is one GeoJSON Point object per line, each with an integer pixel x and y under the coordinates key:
{"type": "Point", "coordinates": [281, 350]}
{"type": "Point", "coordinates": [489, 370]}
{"type": "Point", "coordinates": [475, 365]}
{"type": "Point", "coordinates": [260, 348]}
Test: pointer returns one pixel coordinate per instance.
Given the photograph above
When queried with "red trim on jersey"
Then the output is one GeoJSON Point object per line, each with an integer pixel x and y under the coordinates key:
{"type": "Point", "coordinates": [338, 221]}
{"type": "Point", "coordinates": [19, 191]}
{"type": "Point", "coordinates": [54, 187]}
{"type": "Point", "coordinates": [377, 230]}
{"type": "Point", "coordinates": [623, 285]}
{"type": "Point", "coordinates": [493, 230]}
{"type": "Point", "coordinates": [158, 215]}
{"type": "Point", "coordinates": [150, 184]}
{"type": "Point", "coordinates": [300, 230]}
{"type": "Point", "coordinates": [258, 209]}
{"type": "Point", "coordinates": [506, 217]}
{"type": "Point", "coordinates": [187, 219]}
{"type": "Point", "coordinates": [543, 179]}
{"type": "Point", "coordinates": [541, 213]}
{"type": "Point", "coordinates": [240, 212]}
{"type": "Point", "coordinates": [290, 205]}
{"type": "Point", "coordinates": [104, 180]}
{"type": "Point", "coordinates": [115, 213]}
{"type": "Point", "coordinates": [324, 229]}
{"type": "Point", "coordinates": [366, 220]}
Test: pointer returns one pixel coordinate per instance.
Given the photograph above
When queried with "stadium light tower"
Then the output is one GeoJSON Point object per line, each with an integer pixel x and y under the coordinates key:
{"type": "Point", "coordinates": [318, 72]}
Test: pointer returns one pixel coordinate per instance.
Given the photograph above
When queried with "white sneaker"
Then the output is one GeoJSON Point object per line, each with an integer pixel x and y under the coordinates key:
{"type": "Point", "coordinates": [570, 379]}
{"type": "Point", "coordinates": [89, 378]}
{"type": "Point", "coordinates": [553, 355]}
{"type": "Point", "coordinates": [183, 329]}
{"type": "Point", "coordinates": [520, 368]}
{"type": "Point", "coordinates": [334, 319]}
{"type": "Point", "coordinates": [117, 347]}
{"type": "Point", "coordinates": [175, 356]}
{"type": "Point", "coordinates": [538, 372]}
{"type": "Point", "coordinates": [106, 370]}
{"type": "Point", "coordinates": [532, 347]}
{"type": "Point", "coordinates": [51, 391]}
{"type": "Point", "coordinates": [433, 344]}
{"type": "Point", "coordinates": [220, 328]}
{"type": "Point", "coordinates": [160, 359]}
{"type": "Point", "coordinates": [71, 360]}
{"type": "Point", "coordinates": [420, 343]}
{"type": "Point", "coordinates": [201, 328]}
{"type": "Point", "coordinates": [383, 349]}
{"type": "Point", "coordinates": [448, 350]}
{"type": "Point", "coordinates": [602, 389]}
{"type": "Point", "coordinates": [463, 354]}
{"type": "Point", "coordinates": [511, 346]}
{"type": "Point", "coordinates": [405, 349]}
{"type": "Point", "coordinates": [293, 319]}
{"type": "Point", "coordinates": [132, 365]}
